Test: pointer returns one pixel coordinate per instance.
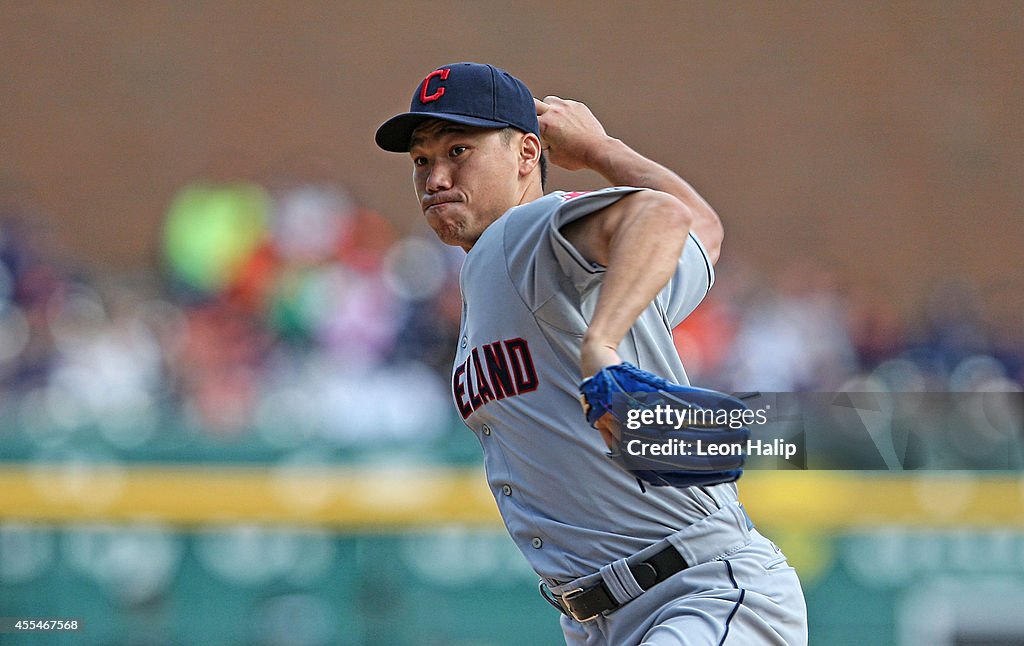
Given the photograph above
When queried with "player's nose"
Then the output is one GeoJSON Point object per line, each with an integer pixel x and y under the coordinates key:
{"type": "Point", "coordinates": [439, 178]}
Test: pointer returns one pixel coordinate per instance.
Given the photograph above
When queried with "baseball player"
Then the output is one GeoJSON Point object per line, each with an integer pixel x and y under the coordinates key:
{"type": "Point", "coordinates": [557, 288]}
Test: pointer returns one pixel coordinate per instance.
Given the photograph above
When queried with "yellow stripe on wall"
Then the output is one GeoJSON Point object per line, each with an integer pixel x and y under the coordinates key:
{"type": "Point", "coordinates": [387, 498]}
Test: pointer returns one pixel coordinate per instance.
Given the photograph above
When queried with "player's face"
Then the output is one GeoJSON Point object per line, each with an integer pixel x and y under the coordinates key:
{"type": "Point", "coordinates": [465, 179]}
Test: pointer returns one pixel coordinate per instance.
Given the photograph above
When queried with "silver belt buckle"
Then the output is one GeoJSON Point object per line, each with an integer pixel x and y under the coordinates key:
{"type": "Point", "coordinates": [572, 594]}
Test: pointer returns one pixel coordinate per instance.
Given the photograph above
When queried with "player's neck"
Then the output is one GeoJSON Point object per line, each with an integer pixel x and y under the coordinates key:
{"type": "Point", "coordinates": [532, 191]}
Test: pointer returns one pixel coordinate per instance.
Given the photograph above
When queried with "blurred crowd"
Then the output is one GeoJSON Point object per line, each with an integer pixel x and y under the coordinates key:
{"type": "Point", "coordinates": [803, 329]}
{"type": "Point", "coordinates": [293, 311]}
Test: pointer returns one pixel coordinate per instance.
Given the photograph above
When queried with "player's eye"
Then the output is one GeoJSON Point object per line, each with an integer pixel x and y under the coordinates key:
{"type": "Point", "coordinates": [457, 150]}
{"type": "Point", "coordinates": [419, 161]}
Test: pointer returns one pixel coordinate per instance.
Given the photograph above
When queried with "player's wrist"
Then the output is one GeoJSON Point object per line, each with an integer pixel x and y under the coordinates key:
{"type": "Point", "coordinates": [595, 339]}
{"type": "Point", "coordinates": [600, 152]}
{"type": "Point", "coordinates": [597, 353]}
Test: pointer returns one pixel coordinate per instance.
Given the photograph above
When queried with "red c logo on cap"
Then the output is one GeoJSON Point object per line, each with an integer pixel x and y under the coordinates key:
{"type": "Point", "coordinates": [424, 97]}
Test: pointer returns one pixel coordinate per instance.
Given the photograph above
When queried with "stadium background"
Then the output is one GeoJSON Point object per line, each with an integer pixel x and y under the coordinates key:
{"type": "Point", "coordinates": [224, 331]}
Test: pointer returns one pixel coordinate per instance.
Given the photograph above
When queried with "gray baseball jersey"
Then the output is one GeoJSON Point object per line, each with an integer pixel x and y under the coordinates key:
{"type": "Point", "coordinates": [527, 299]}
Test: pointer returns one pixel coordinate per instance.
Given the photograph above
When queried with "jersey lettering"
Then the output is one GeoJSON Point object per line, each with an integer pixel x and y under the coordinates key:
{"type": "Point", "coordinates": [459, 390]}
{"type": "Point", "coordinates": [482, 385]}
{"type": "Point", "coordinates": [498, 370]}
{"type": "Point", "coordinates": [522, 365]}
{"type": "Point", "coordinates": [571, 194]}
{"type": "Point", "coordinates": [507, 370]}
{"type": "Point", "coordinates": [474, 396]}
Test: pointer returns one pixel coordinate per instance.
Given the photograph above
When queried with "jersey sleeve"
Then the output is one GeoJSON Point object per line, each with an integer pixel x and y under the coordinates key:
{"type": "Point", "coordinates": [541, 261]}
{"type": "Point", "coordinates": [687, 288]}
{"type": "Point", "coordinates": [689, 285]}
{"type": "Point", "coordinates": [579, 271]}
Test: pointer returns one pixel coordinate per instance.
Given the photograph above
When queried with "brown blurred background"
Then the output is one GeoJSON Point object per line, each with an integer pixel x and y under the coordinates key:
{"type": "Point", "coordinates": [882, 141]}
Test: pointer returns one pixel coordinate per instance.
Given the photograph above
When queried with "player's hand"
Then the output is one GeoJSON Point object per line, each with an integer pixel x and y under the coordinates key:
{"type": "Point", "coordinates": [593, 357]}
{"type": "Point", "coordinates": [569, 131]}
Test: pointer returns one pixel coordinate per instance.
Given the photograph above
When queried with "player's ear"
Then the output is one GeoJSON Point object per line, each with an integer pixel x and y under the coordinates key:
{"type": "Point", "coordinates": [529, 154]}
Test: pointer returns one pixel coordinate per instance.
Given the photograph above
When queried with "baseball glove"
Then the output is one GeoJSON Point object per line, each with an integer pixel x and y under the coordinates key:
{"type": "Point", "coordinates": [667, 434]}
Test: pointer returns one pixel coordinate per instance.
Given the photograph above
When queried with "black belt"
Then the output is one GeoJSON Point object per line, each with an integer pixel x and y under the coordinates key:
{"type": "Point", "coordinates": [584, 604]}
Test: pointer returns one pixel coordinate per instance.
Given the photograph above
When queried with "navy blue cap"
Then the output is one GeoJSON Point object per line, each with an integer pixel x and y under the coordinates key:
{"type": "Point", "coordinates": [469, 93]}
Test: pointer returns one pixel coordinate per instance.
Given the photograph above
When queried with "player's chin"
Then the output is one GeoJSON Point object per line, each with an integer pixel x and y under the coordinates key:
{"type": "Point", "coordinates": [448, 231]}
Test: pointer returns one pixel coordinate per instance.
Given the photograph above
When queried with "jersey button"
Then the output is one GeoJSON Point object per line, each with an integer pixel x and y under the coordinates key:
{"type": "Point", "coordinates": [486, 429]}
{"type": "Point", "coordinates": [465, 341]}
{"type": "Point", "coordinates": [507, 490]}
{"type": "Point", "coordinates": [537, 543]}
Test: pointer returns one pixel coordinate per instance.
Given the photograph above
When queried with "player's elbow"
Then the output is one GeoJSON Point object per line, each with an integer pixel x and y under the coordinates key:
{"type": "Point", "coordinates": [646, 217]}
{"type": "Point", "coordinates": [710, 232]}
{"type": "Point", "coordinates": [674, 219]}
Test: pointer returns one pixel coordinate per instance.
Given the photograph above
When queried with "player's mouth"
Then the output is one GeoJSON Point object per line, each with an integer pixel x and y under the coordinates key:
{"type": "Point", "coordinates": [437, 206]}
{"type": "Point", "coordinates": [438, 203]}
